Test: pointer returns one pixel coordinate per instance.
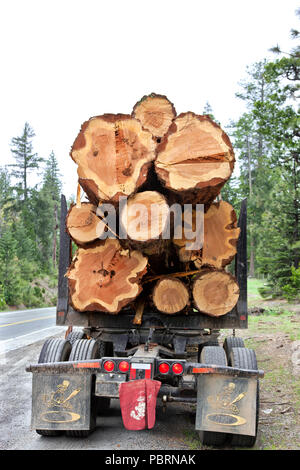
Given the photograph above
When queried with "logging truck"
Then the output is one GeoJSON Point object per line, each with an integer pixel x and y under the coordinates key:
{"type": "Point", "coordinates": [144, 311]}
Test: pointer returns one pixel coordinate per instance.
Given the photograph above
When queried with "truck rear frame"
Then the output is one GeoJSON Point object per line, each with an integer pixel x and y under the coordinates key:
{"type": "Point", "coordinates": [223, 382]}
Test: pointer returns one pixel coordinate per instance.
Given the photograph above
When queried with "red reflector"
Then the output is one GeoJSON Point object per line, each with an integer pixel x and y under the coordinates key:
{"type": "Point", "coordinates": [203, 370]}
{"type": "Point", "coordinates": [177, 368]}
{"type": "Point", "coordinates": [109, 366]}
{"type": "Point", "coordinates": [124, 366]}
{"type": "Point", "coordinates": [87, 365]}
{"type": "Point", "coordinates": [163, 368]}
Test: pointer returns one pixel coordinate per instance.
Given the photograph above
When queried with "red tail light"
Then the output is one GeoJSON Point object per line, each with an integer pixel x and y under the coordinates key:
{"type": "Point", "coordinates": [177, 368]}
{"type": "Point", "coordinates": [109, 366]}
{"type": "Point", "coordinates": [163, 368]}
{"type": "Point", "coordinates": [123, 366]}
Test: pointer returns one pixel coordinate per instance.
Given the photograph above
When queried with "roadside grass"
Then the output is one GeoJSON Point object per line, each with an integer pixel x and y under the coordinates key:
{"type": "Point", "coordinates": [270, 333]}
{"type": "Point", "coordinates": [275, 321]}
{"type": "Point", "coordinates": [253, 285]}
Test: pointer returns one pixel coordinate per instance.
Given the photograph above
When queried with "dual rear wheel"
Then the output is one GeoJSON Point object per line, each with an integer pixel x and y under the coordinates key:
{"type": "Point", "coordinates": [234, 354]}
{"type": "Point", "coordinates": [75, 348]}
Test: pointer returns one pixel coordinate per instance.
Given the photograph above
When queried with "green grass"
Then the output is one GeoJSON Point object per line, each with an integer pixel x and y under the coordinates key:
{"type": "Point", "coordinates": [275, 320]}
{"type": "Point", "coordinates": [253, 286]}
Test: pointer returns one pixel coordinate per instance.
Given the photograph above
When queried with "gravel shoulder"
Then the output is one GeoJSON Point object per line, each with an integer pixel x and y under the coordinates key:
{"type": "Point", "coordinates": [276, 341]}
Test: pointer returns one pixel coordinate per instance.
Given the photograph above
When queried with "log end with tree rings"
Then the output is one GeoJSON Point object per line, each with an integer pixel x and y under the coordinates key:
{"type": "Point", "coordinates": [221, 235]}
{"type": "Point", "coordinates": [113, 153]}
{"type": "Point", "coordinates": [105, 277]}
{"type": "Point", "coordinates": [144, 218]}
{"type": "Point", "coordinates": [215, 292]}
{"type": "Point", "coordinates": [155, 113]}
{"type": "Point", "coordinates": [170, 295]}
{"type": "Point", "coordinates": [195, 158]}
{"type": "Point", "coordinates": [83, 225]}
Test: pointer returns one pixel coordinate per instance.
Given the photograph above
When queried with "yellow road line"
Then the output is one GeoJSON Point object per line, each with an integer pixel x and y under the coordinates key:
{"type": "Point", "coordinates": [27, 321]}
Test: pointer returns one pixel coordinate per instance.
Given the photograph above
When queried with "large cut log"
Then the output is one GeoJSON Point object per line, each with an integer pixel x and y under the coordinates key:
{"type": "Point", "coordinates": [105, 277]}
{"type": "Point", "coordinates": [218, 239]}
{"type": "Point", "coordinates": [220, 236]}
{"type": "Point", "coordinates": [82, 223]}
{"type": "Point", "coordinates": [144, 219]}
{"type": "Point", "coordinates": [170, 295]}
{"type": "Point", "coordinates": [113, 153]}
{"type": "Point", "coordinates": [195, 158]}
{"type": "Point", "coordinates": [215, 292]}
{"type": "Point", "coordinates": [156, 113]}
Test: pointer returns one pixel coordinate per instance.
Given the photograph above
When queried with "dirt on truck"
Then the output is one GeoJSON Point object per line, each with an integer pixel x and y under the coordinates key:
{"type": "Point", "coordinates": [160, 267]}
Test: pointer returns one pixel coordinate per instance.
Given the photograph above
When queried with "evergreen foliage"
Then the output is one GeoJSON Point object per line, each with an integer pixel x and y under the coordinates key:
{"type": "Point", "coordinates": [266, 143]}
{"type": "Point", "coordinates": [28, 225]}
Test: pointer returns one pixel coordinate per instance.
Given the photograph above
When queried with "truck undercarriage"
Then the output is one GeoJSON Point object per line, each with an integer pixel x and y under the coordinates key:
{"type": "Point", "coordinates": [102, 359]}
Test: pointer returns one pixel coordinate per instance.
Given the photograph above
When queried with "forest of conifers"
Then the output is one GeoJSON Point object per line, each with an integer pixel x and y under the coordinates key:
{"type": "Point", "coordinates": [266, 143]}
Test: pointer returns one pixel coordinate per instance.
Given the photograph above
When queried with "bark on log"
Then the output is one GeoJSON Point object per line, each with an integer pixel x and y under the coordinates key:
{"type": "Point", "coordinates": [220, 236]}
{"type": "Point", "coordinates": [104, 277]}
{"type": "Point", "coordinates": [155, 113]}
{"type": "Point", "coordinates": [144, 219]}
{"type": "Point", "coordinates": [170, 295]}
{"type": "Point", "coordinates": [195, 158]}
{"type": "Point", "coordinates": [113, 154]}
{"type": "Point", "coordinates": [83, 225]}
{"type": "Point", "coordinates": [215, 292]}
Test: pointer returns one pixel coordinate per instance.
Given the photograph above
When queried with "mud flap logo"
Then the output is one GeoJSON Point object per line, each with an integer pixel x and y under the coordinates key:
{"type": "Point", "coordinates": [224, 403]}
{"type": "Point", "coordinates": [60, 400]}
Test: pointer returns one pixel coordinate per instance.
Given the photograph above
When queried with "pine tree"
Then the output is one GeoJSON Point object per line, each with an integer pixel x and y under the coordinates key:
{"type": "Point", "coordinates": [51, 178]}
{"type": "Point", "coordinates": [52, 189]}
{"type": "Point", "coordinates": [209, 111]}
{"type": "Point", "coordinates": [26, 160]}
{"type": "Point", "coordinates": [10, 279]}
{"type": "Point", "coordinates": [254, 151]}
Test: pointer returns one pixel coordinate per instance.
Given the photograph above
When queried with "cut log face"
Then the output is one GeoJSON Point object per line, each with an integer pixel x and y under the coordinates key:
{"type": "Point", "coordinates": [83, 225]}
{"type": "Point", "coordinates": [191, 233]}
{"type": "Point", "coordinates": [170, 295]}
{"type": "Point", "coordinates": [104, 277]}
{"type": "Point", "coordinates": [159, 162]}
{"type": "Point", "coordinates": [195, 158]}
{"type": "Point", "coordinates": [220, 235]}
{"type": "Point", "coordinates": [215, 292]}
{"type": "Point", "coordinates": [113, 154]}
{"type": "Point", "coordinates": [155, 113]}
{"type": "Point", "coordinates": [145, 217]}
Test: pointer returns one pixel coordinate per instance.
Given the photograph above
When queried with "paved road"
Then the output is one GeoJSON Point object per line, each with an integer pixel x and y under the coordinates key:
{"type": "Point", "coordinates": [174, 429]}
{"type": "Point", "coordinates": [21, 327]}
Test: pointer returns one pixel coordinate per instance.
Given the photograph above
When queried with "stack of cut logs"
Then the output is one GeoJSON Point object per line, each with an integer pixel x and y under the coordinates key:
{"type": "Point", "coordinates": [152, 159]}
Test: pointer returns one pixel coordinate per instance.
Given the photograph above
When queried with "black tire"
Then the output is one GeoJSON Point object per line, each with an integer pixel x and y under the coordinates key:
{"type": "Point", "coordinates": [203, 345]}
{"type": "Point", "coordinates": [74, 335]}
{"type": "Point", "coordinates": [103, 349]}
{"type": "Point", "coordinates": [245, 358]}
{"type": "Point", "coordinates": [232, 342]}
{"type": "Point", "coordinates": [83, 349]}
{"type": "Point", "coordinates": [213, 355]}
{"type": "Point", "coordinates": [53, 350]}
{"type": "Point", "coordinates": [48, 432]}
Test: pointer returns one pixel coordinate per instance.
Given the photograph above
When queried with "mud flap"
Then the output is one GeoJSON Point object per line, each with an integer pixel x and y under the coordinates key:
{"type": "Point", "coordinates": [138, 403]}
{"type": "Point", "coordinates": [226, 404]}
{"type": "Point", "coordinates": [61, 402]}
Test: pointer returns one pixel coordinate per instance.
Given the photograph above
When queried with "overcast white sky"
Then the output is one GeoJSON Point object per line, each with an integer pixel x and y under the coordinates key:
{"type": "Point", "coordinates": [65, 61]}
